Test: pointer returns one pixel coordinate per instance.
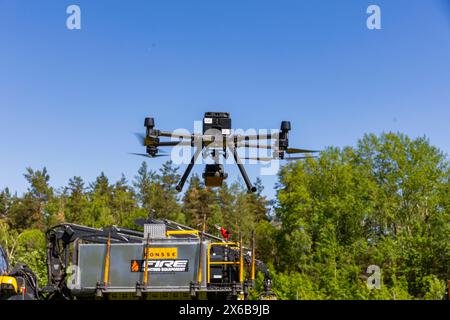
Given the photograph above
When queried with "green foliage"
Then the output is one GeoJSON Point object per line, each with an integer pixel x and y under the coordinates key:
{"type": "Point", "coordinates": [384, 202]}
{"type": "Point", "coordinates": [230, 207]}
{"type": "Point", "coordinates": [31, 251]}
{"type": "Point", "coordinates": [27, 247]}
{"type": "Point", "coordinates": [157, 193]}
{"type": "Point", "coordinates": [8, 239]}
{"type": "Point", "coordinates": [296, 286]}
{"type": "Point", "coordinates": [76, 201]}
{"type": "Point", "coordinates": [266, 239]}
{"type": "Point", "coordinates": [435, 288]}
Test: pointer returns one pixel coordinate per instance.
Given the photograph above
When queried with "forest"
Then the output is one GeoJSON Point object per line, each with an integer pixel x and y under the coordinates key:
{"type": "Point", "coordinates": [384, 202]}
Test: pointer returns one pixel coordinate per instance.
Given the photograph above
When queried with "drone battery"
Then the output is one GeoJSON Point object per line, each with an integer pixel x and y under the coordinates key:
{"type": "Point", "coordinates": [220, 121]}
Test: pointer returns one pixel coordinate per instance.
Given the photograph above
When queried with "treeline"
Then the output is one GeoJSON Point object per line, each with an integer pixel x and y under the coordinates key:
{"type": "Point", "coordinates": [384, 202]}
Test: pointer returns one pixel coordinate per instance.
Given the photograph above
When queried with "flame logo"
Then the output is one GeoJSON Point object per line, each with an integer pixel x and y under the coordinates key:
{"type": "Point", "coordinates": [134, 266]}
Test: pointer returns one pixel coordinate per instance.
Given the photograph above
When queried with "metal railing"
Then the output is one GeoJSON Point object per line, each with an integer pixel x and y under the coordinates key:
{"type": "Point", "coordinates": [240, 263]}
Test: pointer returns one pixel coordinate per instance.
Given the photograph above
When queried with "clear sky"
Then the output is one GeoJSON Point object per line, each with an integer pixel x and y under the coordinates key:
{"type": "Point", "coordinates": [70, 100]}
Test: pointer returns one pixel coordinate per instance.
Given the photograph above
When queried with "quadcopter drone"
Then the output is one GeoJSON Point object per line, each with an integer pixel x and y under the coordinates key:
{"type": "Point", "coordinates": [217, 140]}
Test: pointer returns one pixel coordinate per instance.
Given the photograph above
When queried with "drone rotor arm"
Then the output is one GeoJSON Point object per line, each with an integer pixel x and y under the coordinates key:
{"type": "Point", "coordinates": [174, 143]}
{"type": "Point", "coordinates": [173, 135]}
{"type": "Point", "coordinates": [268, 136]}
{"type": "Point", "coordinates": [257, 146]}
{"type": "Point", "coordinates": [260, 158]}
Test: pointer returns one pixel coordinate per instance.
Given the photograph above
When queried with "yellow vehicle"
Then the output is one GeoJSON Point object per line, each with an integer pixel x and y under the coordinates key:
{"type": "Point", "coordinates": [18, 284]}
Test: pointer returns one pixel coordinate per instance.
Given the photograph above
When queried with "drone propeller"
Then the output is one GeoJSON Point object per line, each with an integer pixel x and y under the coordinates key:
{"type": "Point", "coordinates": [140, 137]}
{"type": "Point", "coordinates": [295, 150]}
{"type": "Point", "coordinates": [149, 156]}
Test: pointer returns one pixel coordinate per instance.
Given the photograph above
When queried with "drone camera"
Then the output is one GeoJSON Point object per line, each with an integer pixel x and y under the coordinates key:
{"type": "Point", "coordinates": [214, 175]}
{"type": "Point", "coordinates": [217, 120]}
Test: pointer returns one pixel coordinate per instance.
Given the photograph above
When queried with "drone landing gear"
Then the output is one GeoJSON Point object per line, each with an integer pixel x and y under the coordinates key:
{"type": "Point", "coordinates": [186, 173]}
{"type": "Point", "coordinates": [241, 167]}
{"type": "Point", "coordinates": [214, 173]}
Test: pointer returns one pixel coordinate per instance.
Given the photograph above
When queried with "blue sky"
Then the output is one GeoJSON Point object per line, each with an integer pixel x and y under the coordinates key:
{"type": "Point", "coordinates": [71, 99]}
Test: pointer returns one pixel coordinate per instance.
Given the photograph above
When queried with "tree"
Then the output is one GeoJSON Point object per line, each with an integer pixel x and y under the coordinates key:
{"type": "Point", "coordinates": [99, 213]}
{"type": "Point", "coordinates": [101, 186]}
{"type": "Point", "coordinates": [199, 204]}
{"type": "Point", "coordinates": [38, 181]}
{"type": "Point", "coordinates": [31, 251]}
{"type": "Point", "coordinates": [5, 203]}
{"type": "Point", "coordinates": [29, 211]}
{"type": "Point", "coordinates": [26, 212]}
{"type": "Point", "coordinates": [156, 192]}
{"type": "Point", "coordinates": [8, 239]}
{"type": "Point", "coordinates": [123, 201]}
{"type": "Point", "coordinates": [77, 202]}
{"type": "Point", "coordinates": [384, 202]}
{"type": "Point", "coordinates": [165, 195]}
{"type": "Point", "coordinates": [143, 185]}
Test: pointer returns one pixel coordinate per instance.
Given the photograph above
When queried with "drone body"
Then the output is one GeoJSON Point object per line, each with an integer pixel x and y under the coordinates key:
{"type": "Point", "coordinates": [217, 140]}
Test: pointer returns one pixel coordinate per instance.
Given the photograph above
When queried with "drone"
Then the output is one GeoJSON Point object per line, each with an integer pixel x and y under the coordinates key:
{"type": "Point", "coordinates": [217, 140]}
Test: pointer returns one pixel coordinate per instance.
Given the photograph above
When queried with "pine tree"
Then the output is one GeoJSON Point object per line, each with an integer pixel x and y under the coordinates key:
{"type": "Point", "coordinates": [143, 185]}
{"type": "Point", "coordinates": [77, 202]}
{"type": "Point", "coordinates": [30, 210]}
{"type": "Point", "coordinates": [5, 203]}
{"type": "Point", "coordinates": [99, 213]}
{"type": "Point", "coordinates": [193, 207]}
{"type": "Point", "coordinates": [123, 201]}
{"type": "Point", "coordinates": [199, 203]}
{"type": "Point", "coordinates": [101, 186]}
